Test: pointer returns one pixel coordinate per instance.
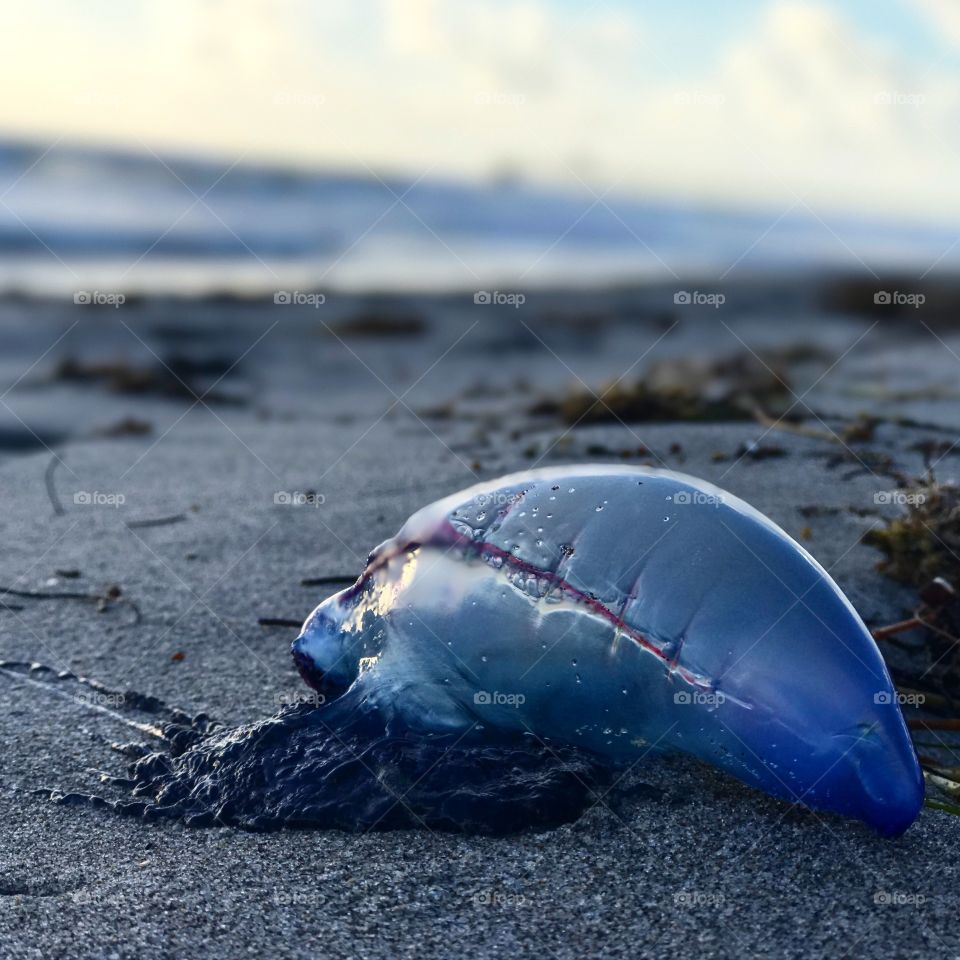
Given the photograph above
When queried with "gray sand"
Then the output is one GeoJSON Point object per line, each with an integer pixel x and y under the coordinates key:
{"type": "Point", "coordinates": [709, 868]}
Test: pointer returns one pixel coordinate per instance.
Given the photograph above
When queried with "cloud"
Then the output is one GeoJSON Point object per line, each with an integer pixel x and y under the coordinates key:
{"type": "Point", "coordinates": [944, 17]}
{"type": "Point", "coordinates": [805, 107]}
{"type": "Point", "coordinates": [799, 103]}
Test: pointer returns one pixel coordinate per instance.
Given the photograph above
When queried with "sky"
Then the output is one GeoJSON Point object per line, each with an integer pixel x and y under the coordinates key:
{"type": "Point", "coordinates": [840, 105]}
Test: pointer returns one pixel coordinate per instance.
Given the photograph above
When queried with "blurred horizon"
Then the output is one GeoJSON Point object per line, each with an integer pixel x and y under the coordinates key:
{"type": "Point", "coordinates": [200, 146]}
{"type": "Point", "coordinates": [80, 217]}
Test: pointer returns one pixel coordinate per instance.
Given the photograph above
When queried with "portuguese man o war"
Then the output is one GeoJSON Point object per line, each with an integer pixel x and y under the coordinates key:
{"type": "Point", "coordinates": [625, 611]}
{"type": "Point", "coordinates": [518, 643]}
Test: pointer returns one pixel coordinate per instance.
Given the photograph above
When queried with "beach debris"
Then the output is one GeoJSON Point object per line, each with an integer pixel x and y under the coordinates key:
{"type": "Point", "coordinates": [155, 521]}
{"type": "Point", "coordinates": [173, 378]}
{"type": "Point", "coordinates": [441, 411]}
{"type": "Point", "coordinates": [932, 450]}
{"type": "Point", "coordinates": [51, 485]}
{"type": "Point", "coordinates": [811, 510]}
{"type": "Point", "coordinates": [756, 450]}
{"type": "Point", "coordinates": [682, 388]}
{"type": "Point", "coordinates": [376, 323]}
{"type": "Point", "coordinates": [110, 596]}
{"type": "Point", "coordinates": [127, 427]}
{"type": "Point", "coordinates": [922, 542]}
{"type": "Point", "coordinates": [914, 543]}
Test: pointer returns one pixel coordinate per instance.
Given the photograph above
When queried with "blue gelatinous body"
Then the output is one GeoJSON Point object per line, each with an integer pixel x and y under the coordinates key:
{"type": "Point", "coordinates": [626, 611]}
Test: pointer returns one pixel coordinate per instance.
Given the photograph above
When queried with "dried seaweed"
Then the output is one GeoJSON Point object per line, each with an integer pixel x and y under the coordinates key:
{"type": "Point", "coordinates": [679, 389]}
{"type": "Point", "coordinates": [924, 541]}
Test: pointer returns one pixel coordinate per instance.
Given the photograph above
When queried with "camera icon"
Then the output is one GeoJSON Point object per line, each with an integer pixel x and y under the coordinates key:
{"type": "Point", "coordinates": [883, 497]}
{"type": "Point", "coordinates": [81, 297]}
{"type": "Point", "coordinates": [682, 698]}
{"type": "Point", "coordinates": [681, 297]}
{"type": "Point", "coordinates": [282, 498]}
{"type": "Point", "coordinates": [282, 296]}
{"type": "Point", "coordinates": [82, 498]}
{"type": "Point", "coordinates": [882, 298]}
{"type": "Point", "coordinates": [883, 697]}
{"type": "Point", "coordinates": [482, 297]}
{"type": "Point", "coordinates": [482, 697]}
{"type": "Point", "coordinates": [681, 497]}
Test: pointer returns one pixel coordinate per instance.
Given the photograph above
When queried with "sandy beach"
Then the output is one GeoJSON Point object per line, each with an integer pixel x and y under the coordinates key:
{"type": "Point", "coordinates": [377, 406]}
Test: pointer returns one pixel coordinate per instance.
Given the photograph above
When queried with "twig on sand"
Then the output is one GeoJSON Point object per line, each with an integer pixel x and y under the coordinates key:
{"type": "Point", "coordinates": [48, 595]}
{"type": "Point", "coordinates": [157, 522]}
{"type": "Point", "coordinates": [778, 423]}
{"type": "Point", "coordinates": [883, 633]}
{"type": "Point", "coordinates": [279, 622]}
{"type": "Point", "coordinates": [55, 462]}
{"type": "Point", "coordinates": [103, 600]}
{"type": "Point", "coordinates": [936, 596]}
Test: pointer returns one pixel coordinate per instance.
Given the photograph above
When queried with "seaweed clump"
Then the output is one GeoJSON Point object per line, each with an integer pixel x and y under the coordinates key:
{"type": "Point", "coordinates": [921, 547]}
{"type": "Point", "coordinates": [681, 389]}
{"type": "Point", "coordinates": [922, 543]}
{"type": "Point", "coordinates": [175, 377]}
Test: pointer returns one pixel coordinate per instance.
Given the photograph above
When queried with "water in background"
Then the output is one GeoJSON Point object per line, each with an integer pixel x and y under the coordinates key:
{"type": "Point", "coordinates": [73, 218]}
